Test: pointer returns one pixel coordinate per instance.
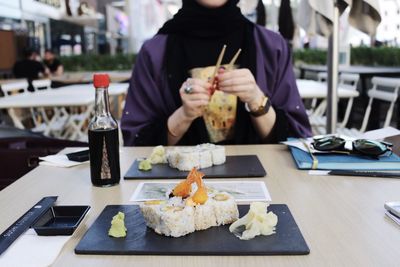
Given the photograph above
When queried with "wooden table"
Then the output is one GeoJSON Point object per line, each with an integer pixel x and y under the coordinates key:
{"type": "Point", "coordinates": [342, 218]}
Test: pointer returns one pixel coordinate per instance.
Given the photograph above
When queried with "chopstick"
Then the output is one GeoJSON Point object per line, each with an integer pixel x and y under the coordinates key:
{"type": "Point", "coordinates": [219, 61]}
{"type": "Point", "coordinates": [235, 57]}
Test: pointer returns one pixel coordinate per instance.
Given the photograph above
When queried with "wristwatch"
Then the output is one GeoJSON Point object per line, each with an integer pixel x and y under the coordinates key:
{"type": "Point", "coordinates": [262, 109]}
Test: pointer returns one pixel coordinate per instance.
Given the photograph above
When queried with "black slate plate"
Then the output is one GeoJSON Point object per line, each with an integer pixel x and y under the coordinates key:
{"type": "Point", "coordinates": [141, 240]}
{"type": "Point", "coordinates": [234, 167]}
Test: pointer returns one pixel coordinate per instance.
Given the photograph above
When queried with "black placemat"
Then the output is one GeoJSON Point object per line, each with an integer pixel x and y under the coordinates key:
{"type": "Point", "coordinates": [234, 167]}
{"type": "Point", "coordinates": [141, 240]}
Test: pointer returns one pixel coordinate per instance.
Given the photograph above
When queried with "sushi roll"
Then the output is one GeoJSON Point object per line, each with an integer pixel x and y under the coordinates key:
{"type": "Point", "coordinates": [169, 220]}
{"type": "Point", "coordinates": [225, 208]}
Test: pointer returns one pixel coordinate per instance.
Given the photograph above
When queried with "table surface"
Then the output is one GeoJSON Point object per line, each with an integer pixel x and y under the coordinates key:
{"type": "Point", "coordinates": [342, 218]}
{"type": "Point", "coordinates": [313, 89]}
{"type": "Point", "coordinates": [66, 96]}
{"type": "Point", "coordinates": [368, 70]}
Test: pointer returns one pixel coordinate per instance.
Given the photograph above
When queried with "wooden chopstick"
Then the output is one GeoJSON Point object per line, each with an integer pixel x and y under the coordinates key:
{"type": "Point", "coordinates": [219, 61]}
{"type": "Point", "coordinates": [235, 57]}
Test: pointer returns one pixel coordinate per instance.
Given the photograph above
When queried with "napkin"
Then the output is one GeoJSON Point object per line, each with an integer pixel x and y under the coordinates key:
{"type": "Point", "coordinates": [32, 250]}
{"type": "Point", "coordinates": [60, 160]}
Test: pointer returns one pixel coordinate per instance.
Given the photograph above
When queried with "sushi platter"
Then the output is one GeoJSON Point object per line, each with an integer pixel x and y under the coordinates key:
{"type": "Point", "coordinates": [234, 167]}
{"type": "Point", "coordinates": [194, 221]}
{"type": "Point", "coordinates": [142, 240]}
{"type": "Point", "coordinates": [174, 163]}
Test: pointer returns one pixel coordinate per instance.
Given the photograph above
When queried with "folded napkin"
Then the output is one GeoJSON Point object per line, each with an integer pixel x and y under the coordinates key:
{"type": "Point", "coordinates": [31, 250]}
{"type": "Point", "coordinates": [63, 160]}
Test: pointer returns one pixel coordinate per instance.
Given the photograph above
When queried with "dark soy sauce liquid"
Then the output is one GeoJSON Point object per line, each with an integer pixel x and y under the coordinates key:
{"type": "Point", "coordinates": [104, 157]}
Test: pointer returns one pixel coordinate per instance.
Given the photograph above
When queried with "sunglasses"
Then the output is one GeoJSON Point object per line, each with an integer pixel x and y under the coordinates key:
{"type": "Point", "coordinates": [361, 146]}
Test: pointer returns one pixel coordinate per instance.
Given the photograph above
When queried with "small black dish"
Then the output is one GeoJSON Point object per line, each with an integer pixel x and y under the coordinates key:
{"type": "Point", "coordinates": [60, 220]}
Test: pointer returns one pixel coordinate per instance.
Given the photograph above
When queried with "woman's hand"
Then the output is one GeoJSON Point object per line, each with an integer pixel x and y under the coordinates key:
{"type": "Point", "coordinates": [240, 82]}
{"type": "Point", "coordinates": [195, 94]}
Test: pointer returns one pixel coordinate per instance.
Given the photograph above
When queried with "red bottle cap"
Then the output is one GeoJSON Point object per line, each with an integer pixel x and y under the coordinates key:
{"type": "Point", "coordinates": [101, 80]}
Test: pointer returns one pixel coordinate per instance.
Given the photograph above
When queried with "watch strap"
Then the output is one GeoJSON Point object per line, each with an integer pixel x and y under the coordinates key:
{"type": "Point", "coordinates": [262, 109]}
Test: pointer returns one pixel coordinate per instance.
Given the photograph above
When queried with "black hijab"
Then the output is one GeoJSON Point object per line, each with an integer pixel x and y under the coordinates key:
{"type": "Point", "coordinates": [196, 35]}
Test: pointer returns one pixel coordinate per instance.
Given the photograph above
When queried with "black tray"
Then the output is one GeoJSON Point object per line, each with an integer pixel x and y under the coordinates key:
{"type": "Point", "coordinates": [141, 240]}
{"type": "Point", "coordinates": [60, 220]}
{"type": "Point", "coordinates": [234, 167]}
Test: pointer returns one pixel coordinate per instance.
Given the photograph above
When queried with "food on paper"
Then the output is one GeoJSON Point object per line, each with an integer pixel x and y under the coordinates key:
{"type": "Point", "coordinates": [189, 210]}
{"type": "Point", "coordinates": [118, 228]}
{"type": "Point", "coordinates": [144, 165]}
{"type": "Point", "coordinates": [256, 222]}
{"type": "Point", "coordinates": [201, 156]}
{"type": "Point", "coordinates": [158, 155]}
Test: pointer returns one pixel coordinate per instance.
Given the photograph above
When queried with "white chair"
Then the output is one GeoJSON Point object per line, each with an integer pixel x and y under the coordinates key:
{"type": "Point", "coordinates": [19, 87]}
{"type": "Point", "coordinates": [383, 89]}
{"type": "Point", "coordinates": [39, 115]}
{"type": "Point", "coordinates": [318, 118]}
{"type": "Point", "coordinates": [16, 87]}
{"type": "Point", "coordinates": [321, 77]}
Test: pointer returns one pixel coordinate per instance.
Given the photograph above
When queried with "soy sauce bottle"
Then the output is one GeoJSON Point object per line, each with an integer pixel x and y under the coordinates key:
{"type": "Point", "coordinates": [103, 138]}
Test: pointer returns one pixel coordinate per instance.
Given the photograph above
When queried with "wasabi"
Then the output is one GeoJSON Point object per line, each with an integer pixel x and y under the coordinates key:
{"type": "Point", "coordinates": [145, 165]}
{"type": "Point", "coordinates": [118, 228]}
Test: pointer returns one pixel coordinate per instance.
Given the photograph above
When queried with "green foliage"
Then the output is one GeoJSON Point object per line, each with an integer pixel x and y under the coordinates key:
{"type": "Point", "coordinates": [91, 62]}
{"type": "Point", "coordinates": [367, 56]}
{"type": "Point", "coordinates": [380, 56]}
{"type": "Point", "coordinates": [310, 56]}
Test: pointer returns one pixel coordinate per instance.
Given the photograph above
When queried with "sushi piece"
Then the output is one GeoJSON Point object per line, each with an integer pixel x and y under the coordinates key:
{"type": "Point", "coordinates": [218, 155]}
{"type": "Point", "coordinates": [204, 216]}
{"type": "Point", "coordinates": [183, 159]}
{"type": "Point", "coordinates": [201, 156]}
{"type": "Point", "coordinates": [205, 158]}
{"type": "Point", "coordinates": [225, 208]}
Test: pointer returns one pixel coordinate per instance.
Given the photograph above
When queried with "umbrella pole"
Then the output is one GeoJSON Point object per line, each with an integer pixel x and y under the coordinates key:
{"type": "Point", "coordinates": [333, 63]}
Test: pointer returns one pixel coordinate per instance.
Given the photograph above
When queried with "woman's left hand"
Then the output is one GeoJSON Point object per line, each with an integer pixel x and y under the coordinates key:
{"type": "Point", "coordinates": [240, 82]}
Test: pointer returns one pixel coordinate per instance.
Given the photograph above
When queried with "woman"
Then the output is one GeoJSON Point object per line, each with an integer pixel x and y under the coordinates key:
{"type": "Point", "coordinates": [165, 106]}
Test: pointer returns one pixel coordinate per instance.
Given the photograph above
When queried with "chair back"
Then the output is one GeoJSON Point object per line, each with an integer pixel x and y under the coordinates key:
{"type": "Point", "coordinates": [17, 87]}
{"type": "Point", "coordinates": [349, 81]}
{"type": "Point", "coordinates": [322, 76]}
{"type": "Point", "coordinates": [384, 89]}
{"type": "Point", "coordinates": [41, 84]}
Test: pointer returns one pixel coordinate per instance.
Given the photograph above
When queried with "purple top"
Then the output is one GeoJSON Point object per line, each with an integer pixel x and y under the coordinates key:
{"type": "Point", "coordinates": [149, 98]}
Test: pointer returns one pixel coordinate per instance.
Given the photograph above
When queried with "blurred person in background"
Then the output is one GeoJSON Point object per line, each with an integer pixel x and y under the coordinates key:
{"type": "Point", "coordinates": [165, 106]}
{"type": "Point", "coordinates": [29, 67]}
{"type": "Point", "coordinates": [53, 63]}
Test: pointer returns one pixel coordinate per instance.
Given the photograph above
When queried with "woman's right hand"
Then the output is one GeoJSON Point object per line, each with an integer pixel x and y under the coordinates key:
{"type": "Point", "coordinates": [195, 99]}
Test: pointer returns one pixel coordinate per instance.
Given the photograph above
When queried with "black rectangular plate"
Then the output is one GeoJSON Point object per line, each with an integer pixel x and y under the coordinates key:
{"type": "Point", "coordinates": [234, 167]}
{"type": "Point", "coordinates": [141, 240]}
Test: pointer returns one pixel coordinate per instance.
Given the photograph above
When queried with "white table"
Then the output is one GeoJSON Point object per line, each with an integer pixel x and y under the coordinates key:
{"type": "Point", "coordinates": [59, 99]}
{"type": "Point", "coordinates": [310, 89]}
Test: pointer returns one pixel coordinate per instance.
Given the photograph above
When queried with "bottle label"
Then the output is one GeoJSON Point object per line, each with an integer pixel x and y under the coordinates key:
{"type": "Point", "coordinates": [104, 157]}
{"type": "Point", "coordinates": [105, 172]}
